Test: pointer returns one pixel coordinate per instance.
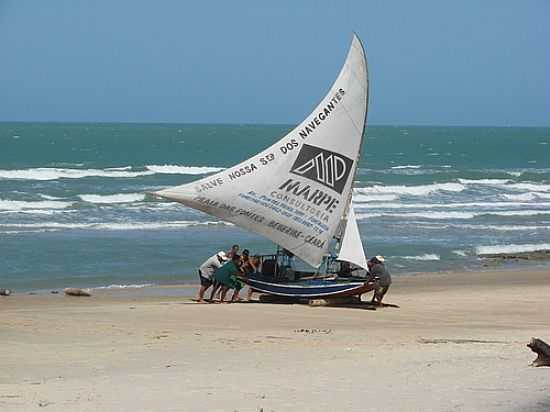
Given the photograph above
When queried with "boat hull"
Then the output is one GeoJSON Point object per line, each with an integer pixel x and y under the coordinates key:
{"type": "Point", "coordinates": [311, 289]}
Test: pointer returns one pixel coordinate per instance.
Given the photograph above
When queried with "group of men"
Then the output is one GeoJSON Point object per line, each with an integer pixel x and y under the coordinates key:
{"type": "Point", "coordinates": [225, 271]}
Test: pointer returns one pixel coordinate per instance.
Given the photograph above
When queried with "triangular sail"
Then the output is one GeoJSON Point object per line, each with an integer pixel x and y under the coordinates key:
{"type": "Point", "coordinates": [295, 192]}
{"type": "Point", "coordinates": [351, 248]}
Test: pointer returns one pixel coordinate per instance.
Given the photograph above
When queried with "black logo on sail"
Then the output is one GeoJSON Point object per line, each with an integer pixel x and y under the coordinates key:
{"type": "Point", "coordinates": [323, 166]}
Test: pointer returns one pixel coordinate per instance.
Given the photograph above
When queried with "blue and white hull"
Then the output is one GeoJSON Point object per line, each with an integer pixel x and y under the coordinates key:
{"type": "Point", "coordinates": [311, 288]}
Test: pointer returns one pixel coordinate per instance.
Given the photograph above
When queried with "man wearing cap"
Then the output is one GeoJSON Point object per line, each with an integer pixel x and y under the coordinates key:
{"type": "Point", "coordinates": [207, 270]}
{"type": "Point", "coordinates": [380, 276]}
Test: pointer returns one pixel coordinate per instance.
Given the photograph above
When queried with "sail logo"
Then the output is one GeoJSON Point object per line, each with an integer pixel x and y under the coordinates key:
{"type": "Point", "coordinates": [323, 166]}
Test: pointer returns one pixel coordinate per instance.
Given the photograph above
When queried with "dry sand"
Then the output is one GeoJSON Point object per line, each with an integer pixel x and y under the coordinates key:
{"type": "Point", "coordinates": [455, 343]}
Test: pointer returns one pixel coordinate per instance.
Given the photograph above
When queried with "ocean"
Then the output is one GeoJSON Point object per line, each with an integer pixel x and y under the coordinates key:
{"type": "Point", "coordinates": [73, 208]}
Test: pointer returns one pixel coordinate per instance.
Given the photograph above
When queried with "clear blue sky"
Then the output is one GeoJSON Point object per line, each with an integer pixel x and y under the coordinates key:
{"type": "Point", "coordinates": [431, 62]}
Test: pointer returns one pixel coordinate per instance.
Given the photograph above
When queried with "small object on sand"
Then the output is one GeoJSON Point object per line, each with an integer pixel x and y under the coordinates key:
{"type": "Point", "coordinates": [77, 292]}
{"type": "Point", "coordinates": [336, 301]}
{"type": "Point", "coordinates": [5, 292]}
{"type": "Point", "coordinates": [54, 292]}
{"type": "Point", "coordinates": [542, 349]}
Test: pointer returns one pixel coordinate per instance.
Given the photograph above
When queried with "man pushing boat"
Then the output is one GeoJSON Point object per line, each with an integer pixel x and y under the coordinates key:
{"type": "Point", "coordinates": [207, 270]}
{"type": "Point", "coordinates": [380, 276]}
{"type": "Point", "coordinates": [227, 278]}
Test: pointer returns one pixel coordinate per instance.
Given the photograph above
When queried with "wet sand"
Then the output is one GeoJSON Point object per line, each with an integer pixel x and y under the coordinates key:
{"type": "Point", "coordinates": [449, 342]}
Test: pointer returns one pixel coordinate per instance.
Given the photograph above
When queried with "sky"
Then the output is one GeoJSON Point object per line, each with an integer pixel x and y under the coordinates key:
{"type": "Point", "coordinates": [469, 62]}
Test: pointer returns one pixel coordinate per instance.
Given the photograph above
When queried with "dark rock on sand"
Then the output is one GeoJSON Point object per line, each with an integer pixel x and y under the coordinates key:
{"type": "Point", "coordinates": [535, 255]}
{"type": "Point", "coordinates": [76, 292]}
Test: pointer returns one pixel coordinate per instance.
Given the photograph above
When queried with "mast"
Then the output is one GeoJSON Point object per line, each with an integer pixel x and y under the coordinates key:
{"type": "Point", "coordinates": [359, 153]}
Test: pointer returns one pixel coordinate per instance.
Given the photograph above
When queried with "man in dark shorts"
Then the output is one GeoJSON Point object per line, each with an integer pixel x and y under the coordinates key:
{"type": "Point", "coordinates": [380, 276]}
{"type": "Point", "coordinates": [207, 270]}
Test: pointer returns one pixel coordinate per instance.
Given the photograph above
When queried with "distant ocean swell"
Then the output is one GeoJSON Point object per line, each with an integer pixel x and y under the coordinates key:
{"type": "Point", "coordinates": [54, 173]}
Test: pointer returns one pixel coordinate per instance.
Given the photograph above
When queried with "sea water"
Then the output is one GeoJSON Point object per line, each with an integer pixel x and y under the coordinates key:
{"type": "Point", "coordinates": [73, 208]}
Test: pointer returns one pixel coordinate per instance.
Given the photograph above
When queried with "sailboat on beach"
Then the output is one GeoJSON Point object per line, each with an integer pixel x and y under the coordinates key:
{"type": "Point", "coordinates": [298, 194]}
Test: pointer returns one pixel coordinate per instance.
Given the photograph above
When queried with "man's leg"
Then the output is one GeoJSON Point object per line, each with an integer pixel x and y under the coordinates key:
{"type": "Point", "coordinates": [235, 295]}
{"type": "Point", "coordinates": [200, 296]}
{"type": "Point", "coordinates": [382, 293]}
{"type": "Point", "coordinates": [204, 287]}
{"type": "Point", "coordinates": [223, 293]}
{"type": "Point", "coordinates": [214, 289]}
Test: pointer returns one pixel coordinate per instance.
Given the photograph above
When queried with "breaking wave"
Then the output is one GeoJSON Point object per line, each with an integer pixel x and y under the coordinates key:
{"type": "Point", "coordinates": [407, 167]}
{"type": "Point", "coordinates": [131, 286]}
{"type": "Point", "coordinates": [52, 226]}
{"type": "Point", "coordinates": [453, 214]}
{"type": "Point", "coordinates": [51, 173]}
{"type": "Point", "coordinates": [448, 205]}
{"type": "Point", "coordinates": [359, 198]}
{"type": "Point", "coordinates": [531, 187]}
{"type": "Point", "coordinates": [497, 182]}
{"type": "Point", "coordinates": [54, 173]}
{"type": "Point", "coordinates": [116, 198]}
{"type": "Point", "coordinates": [427, 256]}
{"type": "Point", "coordinates": [19, 205]}
{"type": "Point", "coordinates": [183, 170]}
{"type": "Point", "coordinates": [498, 228]}
{"type": "Point", "coordinates": [495, 249]}
{"type": "Point", "coordinates": [420, 190]}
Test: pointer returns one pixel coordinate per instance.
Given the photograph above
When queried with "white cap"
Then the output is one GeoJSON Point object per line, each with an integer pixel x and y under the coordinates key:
{"type": "Point", "coordinates": [221, 254]}
{"type": "Point", "coordinates": [380, 258]}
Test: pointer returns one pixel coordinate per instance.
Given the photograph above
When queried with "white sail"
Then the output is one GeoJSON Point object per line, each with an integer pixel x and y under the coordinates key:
{"type": "Point", "coordinates": [351, 248]}
{"type": "Point", "coordinates": [295, 191]}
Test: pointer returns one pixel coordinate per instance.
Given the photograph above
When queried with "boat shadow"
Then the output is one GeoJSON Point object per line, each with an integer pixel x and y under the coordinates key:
{"type": "Point", "coordinates": [334, 303]}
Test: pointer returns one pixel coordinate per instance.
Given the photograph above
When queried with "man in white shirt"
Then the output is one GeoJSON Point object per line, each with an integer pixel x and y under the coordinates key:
{"type": "Point", "coordinates": [207, 270]}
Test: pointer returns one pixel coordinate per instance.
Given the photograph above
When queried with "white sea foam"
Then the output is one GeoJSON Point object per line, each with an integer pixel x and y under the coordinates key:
{"type": "Point", "coordinates": [123, 286]}
{"type": "Point", "coordinates": [515, 174]}
{"type": "Point", "coordinates": [438, 215]}
{"type": "Point", "coordinates": [363, 216]}
{"type": "Point", "coordinates": [120, 168]}
{"type": "Point", "coordinates": [39, 211]}
{"type": "Point", "coordinates": [43, 196]}
{"type": "Point", "coordinates": [528, 197]}
{"type": "Point", "coordinates": [523, 197]}
{"type": "Point", "coordinates": [54, 173]}
{"type": "Point", "coordinates": [531, 187]}
{"type": "Point", "coordinates": [114, 225]}
{"type": "Point", "coordinates": [502, 228]}
{"type": "Point", "coordinates": [512, 248]}
{"type": "Point", "coordinates": [430, 206]}
{"type": "Point", "coordinates": [453, 214]}
{"type": "Point", "coordinates": [490, 182]}
{"type": "Point", "coordinates": [18, 205]}
{"type": "Point", "coordinates": [116, 198]}
{"type": "Point", "coordinates": [359, 198]}
{"type": "Point", "coordinates": [427, 256]}
{"type": "Point", "coordinates": [460, 253]}
{"type": "Point", "coordinates": [407, 167]}
{"type": "Point", "coordinates": [184, 170]}
{"type": "Point", "coordinates": [420, 190]}
{"type": "Point", "coordinates": [519, 213]}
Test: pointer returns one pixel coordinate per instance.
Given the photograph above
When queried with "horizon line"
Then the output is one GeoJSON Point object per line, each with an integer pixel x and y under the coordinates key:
{"type": "Point", "coordinates": [256, 124]}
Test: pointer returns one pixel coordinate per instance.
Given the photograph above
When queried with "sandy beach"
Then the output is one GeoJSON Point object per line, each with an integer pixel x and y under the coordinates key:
{"type": "Point", "coordinates": [452, 342]}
